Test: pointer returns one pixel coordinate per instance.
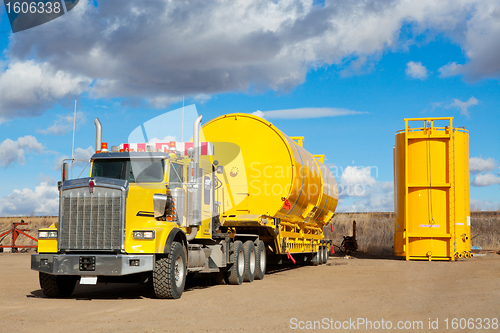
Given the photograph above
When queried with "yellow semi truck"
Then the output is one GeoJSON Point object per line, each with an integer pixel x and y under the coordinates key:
{"type": "Point", "coordinates": [240, 194]}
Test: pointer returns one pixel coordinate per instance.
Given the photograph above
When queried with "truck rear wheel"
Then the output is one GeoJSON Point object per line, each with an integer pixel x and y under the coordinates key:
{"type": "Point", "coordinates": [249, 250]}
{"type": "Point", "coordinates": [169, 274]}
{"type": "Point", "coordinates": [237, 271]}
{"type": "Point", "coordinates": [261, 261]}
{"type": "Point", "coordinates": [325, 254]}
{"type": "Point", "coordinates": [320, 255]}
{"type": "Point", "coordinates": [57, 285]}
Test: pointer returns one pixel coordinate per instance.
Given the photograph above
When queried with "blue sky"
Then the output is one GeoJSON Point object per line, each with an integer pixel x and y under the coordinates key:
{"type": "Point", "coordinates": [342, 74]}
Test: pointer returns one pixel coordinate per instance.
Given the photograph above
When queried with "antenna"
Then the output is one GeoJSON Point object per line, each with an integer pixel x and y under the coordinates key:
{"type": "Point", "coordinates": [182, 124]}
{"type": "Point", "coordinates": [73, 146]}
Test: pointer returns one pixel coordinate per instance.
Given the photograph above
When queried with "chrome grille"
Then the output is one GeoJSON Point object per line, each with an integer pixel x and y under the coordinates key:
{"type": "Point", "coordinates": [91, 221]}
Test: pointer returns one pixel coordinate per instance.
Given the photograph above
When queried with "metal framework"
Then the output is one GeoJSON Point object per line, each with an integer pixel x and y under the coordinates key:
{"type": "Point", "coordinates": [15, 234]}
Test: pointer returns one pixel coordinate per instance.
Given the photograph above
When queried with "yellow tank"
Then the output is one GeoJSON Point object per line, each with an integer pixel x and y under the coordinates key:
{"type": "Point", "coordinates": [431, 191]}
{"type": "Point", "coordinates": [267, 174]}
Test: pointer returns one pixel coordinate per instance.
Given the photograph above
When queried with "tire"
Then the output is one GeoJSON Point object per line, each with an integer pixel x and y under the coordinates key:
{"type": "Point", "coordinates": [237, 271]}
{"type": "Point", "coordinates": [325, 254]}
{"type": "Point", "coordinates": [260, 260]}
{"type": "Point", "coordinates": [57, 285]}
{"type": "Point", "coordinates": [315, 258]}
{"type": "Point", "coordinates": [321, 253]}
{"type": "Point", "coordinates": [250, 261]}
{"type": "Point", "coordinates": [169, 274]}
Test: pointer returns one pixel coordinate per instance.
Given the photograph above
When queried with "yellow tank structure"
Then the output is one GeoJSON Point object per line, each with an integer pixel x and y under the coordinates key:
{"type": "Point", "coordinates": [431, 191]}
{"type": "Point", "coordinates": [271, 181]}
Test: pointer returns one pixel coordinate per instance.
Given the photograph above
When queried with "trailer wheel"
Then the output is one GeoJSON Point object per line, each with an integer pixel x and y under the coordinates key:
{"type": "Point", "coordinates": [325, 254]}
{"type": "Point", "coordinates": [250, 261]}
{"type": "Point", "coordinates": [57, 285]}
{"type": "Point", "coordinates": [261, 260]}
{"type": "Point", "coordinates": [237, 271]}
{"type": "Point", "coordinates": [169, 274]}
{"type": "Point", "coordinates": [315, 258]}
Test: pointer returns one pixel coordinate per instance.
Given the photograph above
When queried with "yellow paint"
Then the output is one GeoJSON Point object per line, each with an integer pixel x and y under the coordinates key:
{"type": "Point", "coordinates": [264, 170]}
{"type": "Point", "coordinates": [47, 245]}
{"type": "Point", "coordinates": [431, 190]}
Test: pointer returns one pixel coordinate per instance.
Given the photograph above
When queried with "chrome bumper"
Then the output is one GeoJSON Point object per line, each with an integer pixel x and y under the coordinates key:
{"type": "Point", "coordinates": [92, 265]}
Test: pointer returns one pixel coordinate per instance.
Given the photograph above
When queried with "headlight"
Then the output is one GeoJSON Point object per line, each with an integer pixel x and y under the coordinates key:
{"type": "Point", "coordinates": [144, 234]}
{"type": "Point", "coordinates": [47, 234]}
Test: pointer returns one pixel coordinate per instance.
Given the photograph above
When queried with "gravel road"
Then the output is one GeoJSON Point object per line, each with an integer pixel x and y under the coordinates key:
{"type": "Point", "coordinates": [350, 294]}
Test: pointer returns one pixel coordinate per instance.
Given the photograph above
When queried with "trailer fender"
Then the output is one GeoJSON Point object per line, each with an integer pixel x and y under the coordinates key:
{"type": "Point", "coordinates": [176, 235]}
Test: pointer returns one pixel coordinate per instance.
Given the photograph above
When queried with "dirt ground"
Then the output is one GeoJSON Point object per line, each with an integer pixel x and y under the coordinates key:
{"type": "Point", "coordinates": [342, 292]}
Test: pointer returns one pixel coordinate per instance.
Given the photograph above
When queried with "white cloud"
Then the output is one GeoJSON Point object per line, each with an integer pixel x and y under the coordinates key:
{"type": "Point", "coordinates": [360, 191]}
{"type": "Point", "coordinates": [416, 70]}
{"type": "Point", "coordinates": [479, 39]}
{"type": "Point", "coordinates": [259, 113]}
{"type": "Point", "coordinates": [234, 45]}
{"type": "Point", "coordinates": [479, 164]}
{"type": "Point", "coordinates": [378, 197]}
{"type": "Point", "coordinates": [304, 113]}
{"type": "Point", "coordinates": [484, 205]}
{"type": "Point", "coordinates": [63, 124]}
{"type": "Point", "coordinates": [44, 200]}
{"type": "Point", "coordinates": [28, 88]}
{"type": "Point", "coordinates": [81, 156]}
{"type": "Point", "coordinates": [166, 139]}
{"type": "Point", "coordinates": [485, 180]}
{"type": "Point", "coordinates": [450, 69]}
{"type": "Point", "coordinates": [464, 106]}
{"type": "Point", "coordinates": [14, 151]}
{"type": "Point", "coordinates": [353, 175]}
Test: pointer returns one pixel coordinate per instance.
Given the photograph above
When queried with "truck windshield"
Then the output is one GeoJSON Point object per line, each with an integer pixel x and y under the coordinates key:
{"type": "Point", "coordinates": [134, 171]}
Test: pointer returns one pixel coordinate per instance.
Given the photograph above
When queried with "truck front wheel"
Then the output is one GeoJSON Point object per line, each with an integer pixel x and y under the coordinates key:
{"type": "Point", "coordinates": [169, 274]}
{"type": "Point", "coordinates": [57, 285]}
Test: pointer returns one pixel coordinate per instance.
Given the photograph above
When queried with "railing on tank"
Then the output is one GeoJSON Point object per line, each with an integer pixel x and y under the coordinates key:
{"type": "Point", "coordinates": [429, 125]}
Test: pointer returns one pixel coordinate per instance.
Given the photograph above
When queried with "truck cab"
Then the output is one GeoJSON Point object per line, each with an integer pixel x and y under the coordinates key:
{"type": "Point", "coordinates": [145, 213]}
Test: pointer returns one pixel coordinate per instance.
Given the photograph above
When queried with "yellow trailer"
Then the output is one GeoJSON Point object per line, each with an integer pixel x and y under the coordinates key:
{"type": "Point", "coordinates": [431, 191]}
{"type": "Point", "coordinates": [272, 186]}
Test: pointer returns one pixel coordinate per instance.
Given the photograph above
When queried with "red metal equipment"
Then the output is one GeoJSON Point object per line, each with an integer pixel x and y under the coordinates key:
{"type": "Point", "coordinates": [15, 233]}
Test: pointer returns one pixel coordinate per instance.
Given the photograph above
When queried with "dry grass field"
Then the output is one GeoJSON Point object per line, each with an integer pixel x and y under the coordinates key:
{"type": "Point", "coordinates": [34, 223]}
{"type": "Point", "coordinates": [375, 231]}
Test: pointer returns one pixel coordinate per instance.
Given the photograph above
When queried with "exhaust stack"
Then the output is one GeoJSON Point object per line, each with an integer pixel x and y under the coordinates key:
{"type": "Point", "coordinates": [195, 187]}
{"type": "Point", "coordinates": [98, 135]}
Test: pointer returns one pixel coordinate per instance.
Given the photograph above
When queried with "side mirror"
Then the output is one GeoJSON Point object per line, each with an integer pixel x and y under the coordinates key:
{"type": "Point", "coordinates": [220, 169]}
